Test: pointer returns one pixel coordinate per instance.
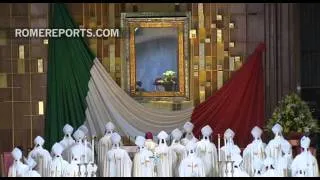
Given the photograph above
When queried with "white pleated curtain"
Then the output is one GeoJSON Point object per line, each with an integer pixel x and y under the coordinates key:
{"type": "Point", "coordinates": [106, 101]}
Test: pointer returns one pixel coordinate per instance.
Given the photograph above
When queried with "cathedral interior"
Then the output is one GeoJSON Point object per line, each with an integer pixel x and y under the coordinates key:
{"type": "Point", "coordinates": [225, 34]}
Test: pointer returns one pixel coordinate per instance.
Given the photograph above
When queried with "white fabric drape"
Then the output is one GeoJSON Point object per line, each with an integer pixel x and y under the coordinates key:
{"type": "Point", "coordinates": [106, 101]}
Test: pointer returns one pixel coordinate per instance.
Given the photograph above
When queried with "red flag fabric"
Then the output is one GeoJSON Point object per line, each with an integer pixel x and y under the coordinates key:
{"type": "Point", "coordinates": [238, 105]}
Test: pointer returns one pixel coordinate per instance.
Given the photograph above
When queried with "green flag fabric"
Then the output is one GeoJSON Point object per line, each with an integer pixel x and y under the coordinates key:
{"type": "Point", "coordinates": [69, 63]}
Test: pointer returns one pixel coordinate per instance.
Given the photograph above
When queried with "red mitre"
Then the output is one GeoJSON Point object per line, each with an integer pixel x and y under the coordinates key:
{"type": "Point", "coordinates": [149, 135]}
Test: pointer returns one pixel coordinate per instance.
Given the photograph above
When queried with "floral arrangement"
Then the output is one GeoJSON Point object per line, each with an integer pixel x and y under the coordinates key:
{"type": "Point", "coordinates": [168, 77]}
{"type": "Point", "coordinates": [294, 116]}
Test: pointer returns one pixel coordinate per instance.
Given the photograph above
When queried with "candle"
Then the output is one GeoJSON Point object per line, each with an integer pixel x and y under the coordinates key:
{"type": "Point", "coordinates": [85, 150]}
{"type": "Point", "coordinates": [92, 149]}
{"type": "Point", "coordinates": [219, 147]}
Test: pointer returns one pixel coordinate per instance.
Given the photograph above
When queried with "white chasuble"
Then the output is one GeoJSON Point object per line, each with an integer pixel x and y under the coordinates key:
{"type": "Point", "coordinates": [207, 151]}
{"type": "Point", "coordinates": [166, 158]}
{"type": "Point", "coordinates": [189, 137]}
{"type": "Point", "coordinates": [180, 153]}
{"type": "Point", "coordinates": [150, 144]}
{"type": "Point", "coordinates": [43, 159]}
{"type": "Point", "coordinates": [104, 146]}
{"type": "Point", "coordinates": [117, 163]}
{"type": "Point", "coordinates": [305, 162]}
{"type": "Point", "coordinates": [255, 151]}
{"type": "Point", "coordinates": [66, 143]}
{"type": "Point", "coordinates": [84, 150]}
{"type": "Point", "coordinates": [143, 164]}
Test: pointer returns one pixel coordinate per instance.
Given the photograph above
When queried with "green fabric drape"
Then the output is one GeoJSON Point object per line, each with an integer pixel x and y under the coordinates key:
{"type": "Point", "coordinates": [69, 64]}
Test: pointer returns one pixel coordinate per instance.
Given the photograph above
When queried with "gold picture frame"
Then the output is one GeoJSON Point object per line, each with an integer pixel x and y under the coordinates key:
{"type": "Point", "coordinates": [182, 25]}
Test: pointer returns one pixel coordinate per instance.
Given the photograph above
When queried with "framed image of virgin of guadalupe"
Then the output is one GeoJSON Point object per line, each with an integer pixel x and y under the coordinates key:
{"type": "Point", "coordinates": [157, 54]}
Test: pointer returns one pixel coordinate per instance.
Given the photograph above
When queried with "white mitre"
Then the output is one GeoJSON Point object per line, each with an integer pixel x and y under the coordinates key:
{"type": "Point", "coordinates": [188, 127]}
{"type": "Point", "coordinates": [109, 126]}
{"type": "Point", "coordinates": [268, 162]}
{"type": "Point", "coordinates": [256, 132]}
{"type": "Point", "coordinates": [277, 129]}
{"type": "Point", "coordinates": [305, 142]}
{"type": "Point", "coordinates": [115, 138]}
{"type": "Point", "coordinates": [162, 135]}
{"type": "Point", "coordinates": [16, 154]}
{"type": "Point", "coordinates": [286, 147]}
{"type": "Point", "coordinates": [76, 154]}
{"type": "Point", "coordinates": [84, 129]}
{"type": "Point", "coordinates": [78, 135]}
{"type": "Point", "coordinates": [57, 149]}
{"type": "Point", "coordinates": [206, 131]}
{"type": "Point", "coordinates": [176, 134]}
{"type": "Point", "coordinates": [229, 134]}
{"type": "Point", "coordinates": [67, 129]}
{"type": "Point", "coordinates": [39, 141]}
{"type": "Point", "coordinates": [140, 141]}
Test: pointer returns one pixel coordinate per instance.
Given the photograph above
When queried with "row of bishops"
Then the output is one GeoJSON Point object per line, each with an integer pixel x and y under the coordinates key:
{"type": "Point", "coordinates": [74, 156]}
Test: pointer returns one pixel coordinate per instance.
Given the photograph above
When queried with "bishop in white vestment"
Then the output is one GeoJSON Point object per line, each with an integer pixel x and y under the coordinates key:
{"type": "Point", "coordinates": [179, 150]}
{"type": "Point", "coordinates": [30, 172]}
{"type": "Point", "coordinates": [104, 145]}
{"type": "Point", "coordinates": [149, 143]}
{"type": "Point", "coordinates": [17, 169]}
{"type": "Point", "coordinates": [207, 151]}
{"type": "Point", "coordinates": [229, 149]}
{"type": "Point", "coordinates": [84, 149]}
{"type": "Point", "coordinates": [58, 166]}
{"type": "Point", "coordinates": [73, 169]}
{"type": "Point", "coordinates": [67, 142]}
{"type": "Point", "coordinates": [166, 157]}
{"type": "Point", "coordinates": [283, 166]}
{"type": "Point", "coordinates": [143, 164]}
{"type": "Point", "coordinates": [191, 166]}
{"type": "Point", "coordinates": [188, 127]}
{"type": "Point", "coordinates": [41, 156]}
{"type": "Point", "coordinates": [254, 151]}
{"type": "Point", "coordinates": [273, 149]}
{"type": "Point", "coordinates": [117, 160]}
{"type": "Point", "coordinates": [305, 164]}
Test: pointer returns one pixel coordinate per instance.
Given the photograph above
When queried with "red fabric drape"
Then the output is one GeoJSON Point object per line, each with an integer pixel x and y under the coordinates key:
{"type": "Point", "coordinates": [238, 105]}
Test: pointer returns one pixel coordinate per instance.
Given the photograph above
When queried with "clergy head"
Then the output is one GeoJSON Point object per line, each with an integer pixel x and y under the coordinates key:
{"type": "Point", "coordinates": [78, 135]}
{"type": "Point", "coordinates": [176, 135]}
{"type": "Point", "coordinates": [140, 142]}
{"type": "Point", "coordinates": [191, 148]}
{"type": "Point", "coordinates": [16, 154]}
{"type": "Point", "coordinates": [67, 130]}
{"type": "Point", "coordinates": [31, 163]}
{"type": "Point", "coordinates": [256, 133]}
{"type": "Point", "coordinates": [38, 141]}
{"type": "Point", "coordinates": [115, 140]}
{"type": "Point", "coordinates": [84, 129]}
{"type": "Point", "coordinates": [76, 155]}
{"type": "Point", "coordinates": [149, 135]}
{"type": "Point", "coordinates": [268, 163]}
{"type": "Point", "coordinates": [206, 132]}
{"type": "Point", "coordinates": [305, 143]}
{"type": "Point", "coordinates": [228, 136]}
{"type": "Point", "coordinates": [109, 128]}
{"type": "Point", "coordinates": [257, 166]}
{"type": "Point", "coordinates": [57, 149]}
{"type": "Point", "coordinates": [188, 127]}
{"type": "Point", "coordinates": [162, 136]}
{"type": "Point", "coordinates": [277, 129]}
